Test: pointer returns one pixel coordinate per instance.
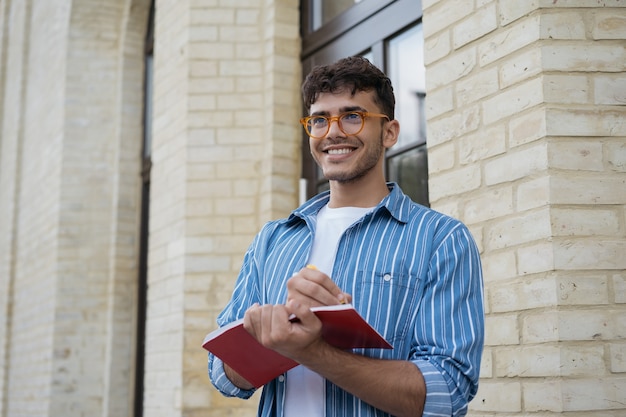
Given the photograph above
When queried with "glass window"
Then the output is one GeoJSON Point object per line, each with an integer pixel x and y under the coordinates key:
{"type": "Point", "coordinates": [326, 10]}
{"type": "Point", "coordinates": [410, 170]}
{"type": "Point", "coordinates": [408, 75]}
{"type": "Point", "coordinates": [389, 34]}
{"type": "Point", "coordinates": [407, 161]}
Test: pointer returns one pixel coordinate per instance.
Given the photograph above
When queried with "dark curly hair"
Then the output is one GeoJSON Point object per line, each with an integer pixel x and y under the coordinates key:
{"type": "Point", "coordinates": [353, 74]}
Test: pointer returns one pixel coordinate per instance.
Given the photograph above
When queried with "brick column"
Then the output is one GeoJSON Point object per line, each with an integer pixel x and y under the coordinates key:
{"type": "Point", "coordinates": [526, 141]}
{"type": "Point", "coordinates": [225, 160]}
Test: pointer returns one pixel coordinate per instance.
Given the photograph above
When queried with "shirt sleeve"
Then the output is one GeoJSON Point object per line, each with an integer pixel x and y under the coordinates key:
{"type": "Point", "coordinates": [244, 295]}
{"type": "Point", "coordinates": [450, 331]}
{"type": "Point", "coordinates": [437, 394]}
{"type": "Point", "coordinates": [218, 378]}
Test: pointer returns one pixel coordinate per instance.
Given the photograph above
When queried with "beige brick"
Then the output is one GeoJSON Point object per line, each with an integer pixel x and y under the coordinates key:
{"type": "Point", "coordinates": [542, 395]}
{"type": "Point", "coordinates": [516, 164]}
{"type": "Point", "coordinates": [499, 397]}
{"type": "Point", "coordinates": [598, 324]}
{"type": "Point", "coordinates": [476, 86]}
{"type": "Point", "coordinates": [445, 14]}
{"type": "Point", "coordinates": [567, 89]}
{"type": "Point", "coordinates": [439, 102]}
{"type": "Point", "coordinates": [523, 294]}
{"type": "Point", "coordinates": [499, 265]}
{"type": "Point", "coordinates": [477, 233]}
{"type": "Point", "coordinates": [573, 57]}
{"type": "Point", "coordinates": [519, 229]}
{"type": "Point", "coordinates": [582, 360]}
{"type": "Point", "coordinates": [513, 100]}
{"type": "Point", "coordinates": [590, 254]}
{"type": "Point", "coordinates": [528, 361]}
{"type": "Point", "coordinates": [616, 155]}
{"type": "Point", "coordinates": [511, 10]}
{"type": "Point", "coordinates": [576, 155]}
{"type": "Point", "coordinates": [437, 47]}
{"type": "Point", "coordinates": [443, 129]}
{"type": "Point", "coordinates": [508, 40]}
{"type": "Point", "coordinates": [493, 204]}
{"type": "Point", "coordinates": [619, 288]}
{"type": "Point", "coordinates": [589, 289]}
{"type": "Point", "coordinates": [535, 258]}
{"type": "Point", "coordinates": [203, 33]}
{"type": "Point", "coordinates": [617, 352]}
{"type": "Point", "coordinates": [527, 127]}
{"type": "Point", "coordinates": [563, 24]}
{"type": "Point", "coordinates": [593, 394]}
{"type": "Point", "coordinates": [211, 50]}
{"type": "Point", "coordinates": [501, 330]}
{"type": "Point", "coordinates": [540, 327]}
{"type": "Point", "coordinates": [213, 16]}
{"type": "Point", "coordinates": [451, 208]}
{"type": "Point", "coordinates": [486, 363]}
{"type": "Point", "coordinates": [609, 89]}
{"type": "Point", "coordinates": [451, 68]}
{"type": "Point", "coordinates": [455, 182]}
{"type": "Point", "coordinates": [586, 222]}
{"type": "Point", "coordinates": [477, 25]}
{"type": "Point", "coordinates": [520, 67]}
{"type": "Point", "coordinates": [587, 189]}
{"type": "Point", "coordinates": [441, 158]}
{"type": "Point", "coordinates": [482, 144]}
{"type": "Point", "coordinates": [609, 24]}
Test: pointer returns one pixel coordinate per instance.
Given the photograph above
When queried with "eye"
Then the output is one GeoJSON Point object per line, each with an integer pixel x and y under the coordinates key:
{"type": "Point", "coordinates": [318, 121]}
{"type": "Point", "coordinates": [353, 117]}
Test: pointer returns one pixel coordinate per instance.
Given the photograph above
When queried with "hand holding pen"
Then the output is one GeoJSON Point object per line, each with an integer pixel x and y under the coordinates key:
{"type": "Point", "coordinates": [311, 287]}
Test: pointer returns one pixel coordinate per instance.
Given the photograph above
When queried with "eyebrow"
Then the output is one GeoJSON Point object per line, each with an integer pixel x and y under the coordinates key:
{"type": "Point", "coordinates": [346, 109]}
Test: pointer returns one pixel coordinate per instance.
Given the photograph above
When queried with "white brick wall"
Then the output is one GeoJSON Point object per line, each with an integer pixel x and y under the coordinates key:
{"type": "Point", "coordinates": [225, 160]}
{"type": "Point", "coordinates": [69, 174]}
{"type": "Point", "coordinates": [526, 145]}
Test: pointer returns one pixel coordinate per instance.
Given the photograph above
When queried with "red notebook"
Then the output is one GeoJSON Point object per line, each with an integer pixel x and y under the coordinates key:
{"type": "Point", "coordinates": [342, 327]}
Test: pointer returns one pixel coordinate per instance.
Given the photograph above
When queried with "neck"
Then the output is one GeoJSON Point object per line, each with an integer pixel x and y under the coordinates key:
{"type": "Point", "coordinates": [357, 194]}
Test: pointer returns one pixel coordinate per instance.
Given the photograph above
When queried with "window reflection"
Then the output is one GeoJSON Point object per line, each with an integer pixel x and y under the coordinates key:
{"type": "Point", "coordinates": [408, 75]}
{"type": "Point", "coordinates": [326, 10]}
{"type": "Point", "coordinates": [407, 161]}
{"type": "Point", "coordinates": [410, 170]}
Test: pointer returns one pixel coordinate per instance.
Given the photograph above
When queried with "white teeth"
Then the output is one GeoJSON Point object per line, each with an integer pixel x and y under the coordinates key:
{"type": "Point", "coordinates": [339, 151]}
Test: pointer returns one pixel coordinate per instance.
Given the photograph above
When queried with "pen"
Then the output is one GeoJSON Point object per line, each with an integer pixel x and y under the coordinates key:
{"type": "Point", "coordinates": [311, 266]}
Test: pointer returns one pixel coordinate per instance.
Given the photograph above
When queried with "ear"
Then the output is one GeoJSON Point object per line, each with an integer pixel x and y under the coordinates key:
{"type": "Point", "coordinates": [391, 130]}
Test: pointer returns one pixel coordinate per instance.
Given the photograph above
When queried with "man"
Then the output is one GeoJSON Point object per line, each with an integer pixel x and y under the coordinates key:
{"type": "Point", "coordinates": [412, 273]}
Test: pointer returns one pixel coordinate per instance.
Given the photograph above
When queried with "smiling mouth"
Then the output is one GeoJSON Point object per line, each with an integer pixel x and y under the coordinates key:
{"type": "Point", "coordinates": [339, 151]}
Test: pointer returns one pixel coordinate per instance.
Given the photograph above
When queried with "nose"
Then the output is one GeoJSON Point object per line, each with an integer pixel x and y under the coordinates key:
{"type": "Point", "coordinates": [334, 129]}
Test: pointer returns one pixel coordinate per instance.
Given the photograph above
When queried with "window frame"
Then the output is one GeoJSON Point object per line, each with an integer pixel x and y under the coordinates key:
{"type": "Point", "coordinates": [350, 33]}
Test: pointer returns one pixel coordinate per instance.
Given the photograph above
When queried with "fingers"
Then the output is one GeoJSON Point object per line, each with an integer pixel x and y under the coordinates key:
{"type": "Point", "coordinates": [271, 326]}
{"type": "Point", "coordinates": [263, 322]}
{"type": "Point", "coordinates": [312, 287]}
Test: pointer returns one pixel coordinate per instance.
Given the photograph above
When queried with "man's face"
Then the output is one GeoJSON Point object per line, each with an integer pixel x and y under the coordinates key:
{"type": "Point", "coordinates": [344, 158]}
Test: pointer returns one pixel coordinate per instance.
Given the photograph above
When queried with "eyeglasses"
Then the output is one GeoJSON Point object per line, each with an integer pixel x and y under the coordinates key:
{"type": "Point", "coordinates": [350, 123]}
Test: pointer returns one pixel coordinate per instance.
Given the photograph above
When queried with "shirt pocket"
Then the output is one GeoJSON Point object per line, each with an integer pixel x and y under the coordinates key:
{"type": "Point", "coordinates": [388, 301]}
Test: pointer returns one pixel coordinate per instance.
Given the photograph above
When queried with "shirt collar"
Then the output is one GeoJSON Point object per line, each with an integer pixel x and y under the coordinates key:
{"type": "Point", "coordinates": [396, 203]}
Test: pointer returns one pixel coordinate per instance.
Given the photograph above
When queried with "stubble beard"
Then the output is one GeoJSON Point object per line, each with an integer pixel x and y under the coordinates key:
{"type": "Point", "coordinates": [364, 166]}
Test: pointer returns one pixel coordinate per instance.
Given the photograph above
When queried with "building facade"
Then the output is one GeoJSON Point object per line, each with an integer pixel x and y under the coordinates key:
{"type": "Point", "coordinates": [142, 146]}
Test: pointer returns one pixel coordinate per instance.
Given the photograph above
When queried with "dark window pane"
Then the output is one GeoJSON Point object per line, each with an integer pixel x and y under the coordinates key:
{"type": "Point", "coordinates": [410, 170]}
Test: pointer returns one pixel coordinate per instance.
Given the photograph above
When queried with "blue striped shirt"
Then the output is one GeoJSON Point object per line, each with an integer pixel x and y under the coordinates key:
{"type": "Point", "coordinates": [414, 275]}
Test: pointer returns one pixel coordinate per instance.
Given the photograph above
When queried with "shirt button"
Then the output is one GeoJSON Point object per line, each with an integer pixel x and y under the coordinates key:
{"type": "Point", "coordinates": [387, 277]}
{"type": "Point", "coordinates": [281, 378]}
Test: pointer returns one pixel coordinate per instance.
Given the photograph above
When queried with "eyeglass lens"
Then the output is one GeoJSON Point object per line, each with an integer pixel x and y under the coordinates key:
{"type": "Point", "coordinates": [349, 123]}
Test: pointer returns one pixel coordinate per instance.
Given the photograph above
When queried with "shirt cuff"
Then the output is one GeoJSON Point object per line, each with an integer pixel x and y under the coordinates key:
{"type": "Point", "coordinates": [219, 379]}
{"type": "Point", "coordinates": [438, 402]}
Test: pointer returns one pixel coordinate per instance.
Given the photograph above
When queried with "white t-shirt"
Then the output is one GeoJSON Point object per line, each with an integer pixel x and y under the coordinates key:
{"type": "Point", "coordinates": [305, 389]}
